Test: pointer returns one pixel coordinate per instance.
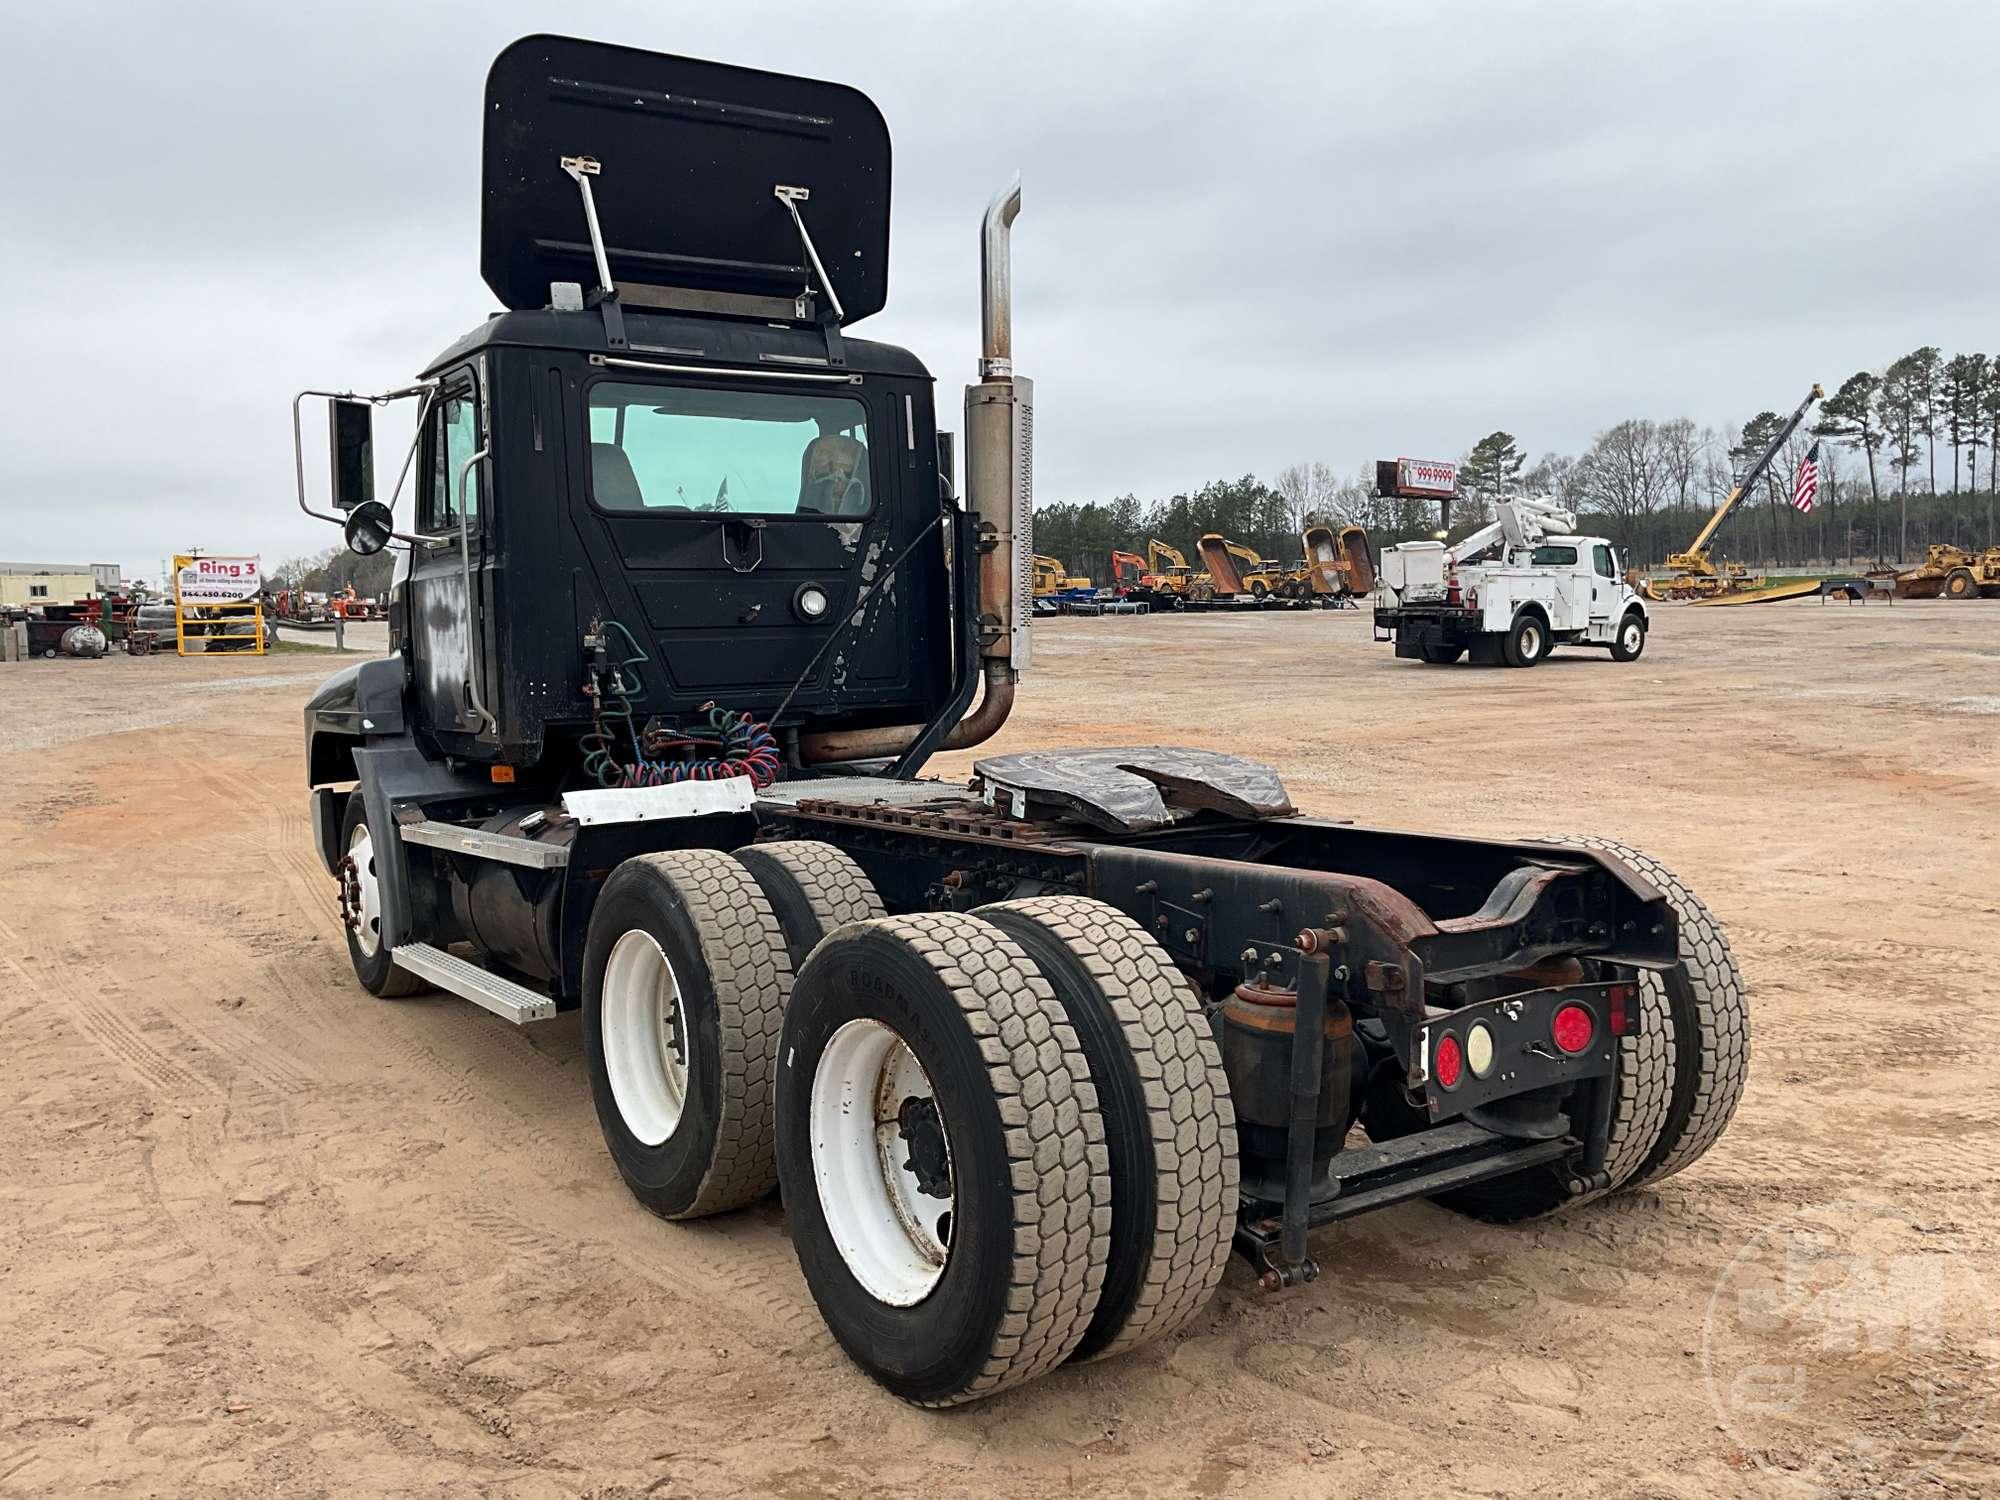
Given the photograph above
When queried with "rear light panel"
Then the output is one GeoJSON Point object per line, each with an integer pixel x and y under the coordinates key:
{"type": "Point", "coordinates": [1480, 1053]}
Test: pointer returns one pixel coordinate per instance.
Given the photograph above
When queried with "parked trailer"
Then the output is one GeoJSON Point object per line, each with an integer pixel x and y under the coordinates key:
{"type": "Point", "coordinates": [1029, 1052]}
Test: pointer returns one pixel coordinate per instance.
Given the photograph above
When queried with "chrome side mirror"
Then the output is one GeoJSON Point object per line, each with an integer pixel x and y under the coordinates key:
{"type": "Point", "coordinates": [368, 528]}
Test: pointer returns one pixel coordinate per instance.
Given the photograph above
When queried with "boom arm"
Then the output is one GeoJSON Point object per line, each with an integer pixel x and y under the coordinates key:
{"type": "Point", "coordinates": [1519, 522]}
{"type": "Point", "coordinates": [1244, 554]}
{"type": "Point", "coordinates": [1756, 471]}
{"type": "Point", "coordinates": [1156, 550]}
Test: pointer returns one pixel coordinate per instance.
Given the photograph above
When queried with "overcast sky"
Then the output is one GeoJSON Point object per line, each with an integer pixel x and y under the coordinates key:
{"type": "Point", "coordinates": [1250, 235]}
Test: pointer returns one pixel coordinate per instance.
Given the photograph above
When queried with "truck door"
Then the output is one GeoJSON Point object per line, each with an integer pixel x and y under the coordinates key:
{"type": "Point", "coordinates": [1603, 584]}
{"type": "Point", "coordinates": [443, 622]}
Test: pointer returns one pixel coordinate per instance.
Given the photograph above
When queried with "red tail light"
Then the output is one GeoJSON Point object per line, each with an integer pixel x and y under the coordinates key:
{"type": "Point", "coordinates": [1572, 1028]}
{"type": "Point", "coordinates": [1447, 1061]}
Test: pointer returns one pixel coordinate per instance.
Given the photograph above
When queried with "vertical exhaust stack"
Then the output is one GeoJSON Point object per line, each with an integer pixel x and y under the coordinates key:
{"type": "Point", "coordinates": [999, 454]}
{"type": "Point", "coordinates": [1000, 493]}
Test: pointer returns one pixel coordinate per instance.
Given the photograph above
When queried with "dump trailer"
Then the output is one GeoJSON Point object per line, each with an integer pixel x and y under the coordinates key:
{"type": "Point", "coordinates": [684, 603]}
{"type": "Point", "coordinates": [1235, 573]}
{"type": "Point", "coordinates": [1338, 565]}
{"type": "Point", "coordinates": [1950, 572]}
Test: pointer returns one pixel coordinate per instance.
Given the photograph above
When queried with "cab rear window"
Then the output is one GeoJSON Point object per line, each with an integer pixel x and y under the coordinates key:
{"type": "Point", "coordinates": [699, 450]}
{"type": "Point", "coordinates": [1554, 557]}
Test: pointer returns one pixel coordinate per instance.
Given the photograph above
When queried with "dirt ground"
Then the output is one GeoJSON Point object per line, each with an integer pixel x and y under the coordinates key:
{"type": "Point", "coordinates": [265, 1234]}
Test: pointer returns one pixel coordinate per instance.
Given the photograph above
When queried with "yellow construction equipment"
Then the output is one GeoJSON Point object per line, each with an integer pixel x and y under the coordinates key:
{"type": "Point", "coordinates": [1693, 577]}
{"type": "Point", "coordinates": [1952, 573]}
{"type": "Point", "coordinates": [1761, 591]}
{"type": "Point", "coordinates": [1234, 569]}
{"type": "Point", "coordinates": [1167, 571]}
{"type": "Point", "coordinates": [1051, 577]}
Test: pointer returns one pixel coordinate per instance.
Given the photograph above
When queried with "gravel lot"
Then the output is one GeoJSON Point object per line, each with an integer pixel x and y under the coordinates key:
{"type": "Point", "coordinates": [267, 1235]}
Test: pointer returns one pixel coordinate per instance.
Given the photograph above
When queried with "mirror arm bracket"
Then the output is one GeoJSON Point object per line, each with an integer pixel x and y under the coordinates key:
{"type": "Point", "coordinates": [424, 388]}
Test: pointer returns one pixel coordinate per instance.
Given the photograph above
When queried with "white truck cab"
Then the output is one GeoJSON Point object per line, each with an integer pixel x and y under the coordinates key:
{"type": "Point", "coordinates": [1511, 592]}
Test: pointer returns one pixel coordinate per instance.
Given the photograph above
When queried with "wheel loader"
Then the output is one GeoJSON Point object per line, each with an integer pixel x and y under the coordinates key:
{"type": "Point", "coordinates": [685, 602]}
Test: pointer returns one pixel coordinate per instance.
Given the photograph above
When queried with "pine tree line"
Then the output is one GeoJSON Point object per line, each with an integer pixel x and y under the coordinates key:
{"type": "Point", "coordinates": [1885, 490]}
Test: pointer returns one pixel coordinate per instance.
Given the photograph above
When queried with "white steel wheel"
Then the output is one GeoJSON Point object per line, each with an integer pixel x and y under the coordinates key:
{"type": "Point", "coordinates": [645, 1038]}
{"type": "Point", "coordinates": [685, 979]}
{"type": "Point", "coordinates": [881, 1158]}
{"type": "Point", "coordinates": [993, 1121]}
{"type": "Point", "coordinates": [364, 892]}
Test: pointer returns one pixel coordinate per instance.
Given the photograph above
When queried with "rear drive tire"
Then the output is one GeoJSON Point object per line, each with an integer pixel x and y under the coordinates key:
{"type": "Point", "coordinates": [1959, 584]}
{"type": "Point", "coordinates": [812, 887]}
{"type": "Point", "coordinates": [942, 1156]}
{"type": "Point", "coordinates": [1527, 641]}
{"type": "Point", "coordinates": [1679, 1078]}
{"type": "Point", "coordinates": [1709, 1016]}
{"type": "Point", "coordinates": [685, 979]}
{"type": "Point", "coordinates": [361, 910]}
{"type": "Point", "coordinates": [1441, 656]}
{"type": "Point", "coordinates": [1630, 639]}
{"type": "Point", "coordinates": [1168, 1119]}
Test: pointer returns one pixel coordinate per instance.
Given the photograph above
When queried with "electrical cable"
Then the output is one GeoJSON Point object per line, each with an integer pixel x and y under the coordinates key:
{"type": "Point", "coordinates": [852, 615]}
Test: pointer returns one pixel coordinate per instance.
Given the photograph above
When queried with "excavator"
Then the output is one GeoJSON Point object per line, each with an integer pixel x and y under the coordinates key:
{"type": "Point", "coordinates": [1051, 577]}
{"type": "Point", "coordinates": [1054, 587]}
{"type": "Point", "coordinates": [1694, 579]}
{"type": "Point", "coordinates": [1128, 570]}
{"type": "Point", "coordinates": [1168, 580]}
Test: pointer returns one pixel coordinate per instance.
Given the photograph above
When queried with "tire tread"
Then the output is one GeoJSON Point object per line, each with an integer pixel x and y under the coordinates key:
{"type": "Point", "coordinates": [750, 972]}
{"type": "Point", "coordinates": [1190, 1118]}
{"type": "Point", "coordinates": [1058, 1166]}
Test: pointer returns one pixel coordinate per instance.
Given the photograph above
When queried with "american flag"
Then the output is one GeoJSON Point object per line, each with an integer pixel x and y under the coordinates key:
{"type": "Point", "coordinates": [1806, 487]}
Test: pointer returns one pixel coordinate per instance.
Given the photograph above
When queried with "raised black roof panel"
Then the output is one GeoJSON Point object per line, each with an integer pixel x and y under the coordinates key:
{"type": "Point", "coordinates": [690, 153]}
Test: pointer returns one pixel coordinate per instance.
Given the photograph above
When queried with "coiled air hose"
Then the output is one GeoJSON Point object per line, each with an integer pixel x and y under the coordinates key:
{"type": "Point", "coordinates": [739, 744]}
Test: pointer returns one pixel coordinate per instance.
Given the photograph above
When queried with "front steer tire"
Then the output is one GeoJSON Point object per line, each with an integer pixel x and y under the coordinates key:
{"type": "Point", "coordinates": [1629, 641]}
{"type": "Point", "coordinates": [708, 1145]}
{"type": "Point", "coordinates": [1028, 1180]}
{"type": "Point", "coordinates": [377, 970]}
{"type": "Point", "coordinates": [1169, 1122]}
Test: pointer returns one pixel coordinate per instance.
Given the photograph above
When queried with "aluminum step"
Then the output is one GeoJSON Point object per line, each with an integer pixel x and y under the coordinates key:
{"type": "Point", "coordinates": [506, 999]}
{"type": "Point", "coordinates": [505, 847]}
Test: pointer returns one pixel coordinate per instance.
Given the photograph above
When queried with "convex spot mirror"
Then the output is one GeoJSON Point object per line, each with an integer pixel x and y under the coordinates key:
{"type": "Point", "coordinates": [368, 528]}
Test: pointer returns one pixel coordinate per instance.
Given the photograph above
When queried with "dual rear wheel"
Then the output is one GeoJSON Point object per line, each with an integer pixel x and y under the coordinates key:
{"type": "Point", "coordinates": [1004, 1138]}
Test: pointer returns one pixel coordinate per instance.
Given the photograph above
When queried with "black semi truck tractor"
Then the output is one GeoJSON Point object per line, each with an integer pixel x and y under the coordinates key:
{"type": "Point", "coordinates": [685, 600]}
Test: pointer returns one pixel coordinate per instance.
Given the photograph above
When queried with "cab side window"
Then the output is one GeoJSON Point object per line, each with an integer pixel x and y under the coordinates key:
{"type": "Point", "coordinates": [1600, 559]}
{"type": "Point", "coordinates": [451, 488]}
